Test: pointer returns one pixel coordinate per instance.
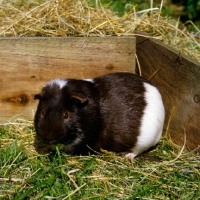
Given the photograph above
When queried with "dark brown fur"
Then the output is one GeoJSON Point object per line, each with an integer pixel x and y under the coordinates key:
{"type": "Point", "coordinates": [105, 114]}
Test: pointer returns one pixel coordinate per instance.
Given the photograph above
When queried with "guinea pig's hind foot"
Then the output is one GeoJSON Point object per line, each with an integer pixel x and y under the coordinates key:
{"type": "Point", "coordinates": [130, 156]}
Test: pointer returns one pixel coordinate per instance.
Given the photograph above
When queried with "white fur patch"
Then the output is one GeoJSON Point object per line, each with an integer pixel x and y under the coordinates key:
{"type": "Point", "coordinates": [60, 82]}
{"type": "Point", "coordinates": [152, 120]}
{"type": "Point", "coordinates": [89, 80]}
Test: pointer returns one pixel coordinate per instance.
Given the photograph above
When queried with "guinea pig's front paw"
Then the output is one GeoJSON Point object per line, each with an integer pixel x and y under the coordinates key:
{"type": "Point", "coordinates": [130, 156]}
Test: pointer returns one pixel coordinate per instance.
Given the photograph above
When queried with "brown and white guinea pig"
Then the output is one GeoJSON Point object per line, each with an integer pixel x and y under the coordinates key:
{"type": "Point", "coordinates": [119, 112]}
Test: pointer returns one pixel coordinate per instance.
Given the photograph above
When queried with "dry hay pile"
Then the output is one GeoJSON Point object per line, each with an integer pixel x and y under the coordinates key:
{"type": "Point", "coordinates": [77, 18]}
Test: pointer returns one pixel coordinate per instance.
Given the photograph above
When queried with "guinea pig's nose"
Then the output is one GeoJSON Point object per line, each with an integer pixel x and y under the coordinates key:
{"type": "Point", "coordinates": [51, 137]}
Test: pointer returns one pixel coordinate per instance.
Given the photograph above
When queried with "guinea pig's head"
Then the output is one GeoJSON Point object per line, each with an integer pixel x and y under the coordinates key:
{"type": "Point", "coordinates": [65, 108]}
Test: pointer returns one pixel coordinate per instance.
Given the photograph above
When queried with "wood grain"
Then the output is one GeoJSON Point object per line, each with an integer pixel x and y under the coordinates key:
{"type": "Point", "coordinates": [27, 63]}
{"type": "Point", "coordinates": [178, 79]}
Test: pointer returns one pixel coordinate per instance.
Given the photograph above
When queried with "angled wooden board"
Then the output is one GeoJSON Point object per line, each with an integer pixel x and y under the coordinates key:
{"type": "Point", "coordinates": [27, 63]}
{"type": "Point", "coordinates": [178, 79]}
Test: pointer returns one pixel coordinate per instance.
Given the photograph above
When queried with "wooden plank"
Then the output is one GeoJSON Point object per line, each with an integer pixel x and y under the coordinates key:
{"type": "Point", "coordinates": [27, 63]}
{"type": "Point", "coordinates": [178, 79]}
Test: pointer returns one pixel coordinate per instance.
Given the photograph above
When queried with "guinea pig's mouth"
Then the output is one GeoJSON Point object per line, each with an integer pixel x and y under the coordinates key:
{"type": "Point", "coordinates": [60, 140]}
{"type": "Point", "coordinates": [57, 141]}
{"type": "Point", "coordinates": [51, 141]}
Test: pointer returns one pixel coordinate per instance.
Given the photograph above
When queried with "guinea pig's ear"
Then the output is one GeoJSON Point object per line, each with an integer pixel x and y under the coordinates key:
{"type": "Point", "coordinates": [38, 96]}
{"type": "Point", "coordinates": [79, 99]}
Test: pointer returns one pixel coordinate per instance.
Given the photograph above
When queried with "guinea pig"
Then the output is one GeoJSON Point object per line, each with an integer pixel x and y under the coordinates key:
{"type": "Point", "coordinates": [119, 112]}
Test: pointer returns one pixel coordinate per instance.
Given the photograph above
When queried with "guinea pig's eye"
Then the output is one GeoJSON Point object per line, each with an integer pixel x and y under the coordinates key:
{"type": "Point", "coordinates": [65, 115]}
{"type": "Point", "coordinates": [42, 114]}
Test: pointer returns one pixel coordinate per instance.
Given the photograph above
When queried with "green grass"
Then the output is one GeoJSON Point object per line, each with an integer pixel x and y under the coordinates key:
{"type": "Point", "coordinates": [159, 174]}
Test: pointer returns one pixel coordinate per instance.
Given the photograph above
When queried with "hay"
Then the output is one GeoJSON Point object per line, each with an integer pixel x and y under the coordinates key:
{"type": "Point", "coordinates": [26, 171]}
{"type": "Point", "coordinates": [53, 18]}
